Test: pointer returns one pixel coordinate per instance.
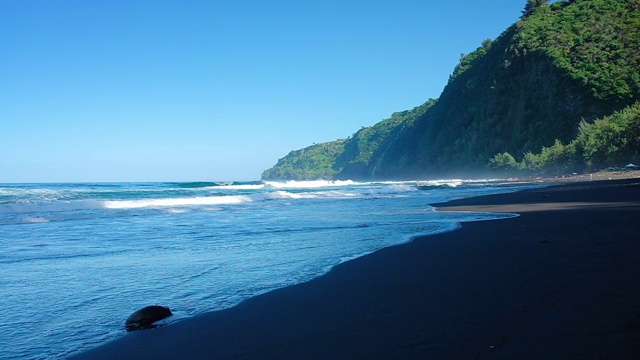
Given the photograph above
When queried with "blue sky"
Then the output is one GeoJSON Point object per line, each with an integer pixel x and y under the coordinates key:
{"type": "Point", "coordinates": [114, 90]}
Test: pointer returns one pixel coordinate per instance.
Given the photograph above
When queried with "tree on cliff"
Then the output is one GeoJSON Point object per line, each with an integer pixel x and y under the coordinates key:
{"type": "Point", "coordinates": [531, 6]}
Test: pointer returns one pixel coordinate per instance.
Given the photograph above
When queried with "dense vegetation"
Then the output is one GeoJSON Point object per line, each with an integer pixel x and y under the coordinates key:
{"type": "Point", "coordinates": [594, 42]}
{"type": "Point", "coordinates": [542, 82]}
{"type": "Point", "coordinates": [611, 141]}
{"type": "Point", "coordinates": [314, 162]}
{"type": "Point", "coordinates": [346, 159]}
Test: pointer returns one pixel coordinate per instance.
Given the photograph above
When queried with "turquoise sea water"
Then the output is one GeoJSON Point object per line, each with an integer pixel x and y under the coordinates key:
{"type": "Point", "coordinates": [78, 259]}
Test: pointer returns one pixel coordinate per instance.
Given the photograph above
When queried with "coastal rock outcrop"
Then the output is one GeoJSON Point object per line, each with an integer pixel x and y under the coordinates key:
{"type": "Point", "coordinates": [144, 318]}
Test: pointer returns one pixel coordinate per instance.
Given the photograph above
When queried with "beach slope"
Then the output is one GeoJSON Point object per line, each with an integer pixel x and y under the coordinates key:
{"type": "Point", "coordinates": [561, 281]}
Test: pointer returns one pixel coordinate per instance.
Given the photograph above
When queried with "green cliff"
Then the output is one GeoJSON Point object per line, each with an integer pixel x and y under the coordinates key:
{"type": "Point", "coordinates": [559, 66]}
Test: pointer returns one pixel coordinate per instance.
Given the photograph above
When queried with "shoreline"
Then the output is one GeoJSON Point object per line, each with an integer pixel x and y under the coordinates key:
{"type": "Point", "coordinates": [558, 281]}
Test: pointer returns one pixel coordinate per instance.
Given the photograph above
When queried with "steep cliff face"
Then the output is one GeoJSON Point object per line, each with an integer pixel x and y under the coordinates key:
{"type": "Point", "coordinates": [373, 149]}
{"type": "Point", "coordinates": [563, 63]}
{"type": "Point", "coordinates": [503, 102]}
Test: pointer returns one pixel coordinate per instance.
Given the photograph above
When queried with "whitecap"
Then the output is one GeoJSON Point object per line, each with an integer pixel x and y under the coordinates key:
{"type": "Point", "coordinates": [176, 211]}
{"type": "Point", "coordinates": [34, 220]}
{"type": "Point", "coordinates": [441, 183]}
{"type": "Point", "coordinates": [293, 184]}
{"type": "Point", "coordinates": [171, 202]}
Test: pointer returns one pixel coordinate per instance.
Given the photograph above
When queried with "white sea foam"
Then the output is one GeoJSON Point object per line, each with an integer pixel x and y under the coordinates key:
{"type": "Point", "coordinates": [448, 183]}
{"type": "Point", "coordinates": [275, 195]}
{"type": "Point", "coordinates": [476, 181]}
{"type": "Point", "coordinates": [35, 220]}
{"type": "Point", "coordinates": [50, 206]}
{"type": "Point", "coordinates": [393, 188]}
{"type": "Point", "coordinates": [237, 187]}
{"type": "Point", "coordinates": [176, 211]}
{"type": "Point", "coordinates": [37, 193]}
{"type": "Point", "coordinates": [172, 202]}
{"type": "Point", "coordinates": [316, 190]}
{"type": "Point", "coordinates": [308, 184]}
{"type": "Point", "coordinates": [131, 196]}
{"type": "Point", "coordinates": [339, 194]}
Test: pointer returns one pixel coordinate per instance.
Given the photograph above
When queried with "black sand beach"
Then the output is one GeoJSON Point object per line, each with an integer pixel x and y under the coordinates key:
{"type": "Point", "coordinates": [561, 281]}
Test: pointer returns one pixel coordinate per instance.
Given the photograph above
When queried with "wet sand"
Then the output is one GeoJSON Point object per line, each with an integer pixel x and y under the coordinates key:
{"type": "Point", "coordinates": [561, 281]}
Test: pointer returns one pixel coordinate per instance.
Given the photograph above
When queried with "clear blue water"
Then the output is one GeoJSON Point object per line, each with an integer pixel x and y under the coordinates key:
{"type": "Point", "coordinates": [77, 259]}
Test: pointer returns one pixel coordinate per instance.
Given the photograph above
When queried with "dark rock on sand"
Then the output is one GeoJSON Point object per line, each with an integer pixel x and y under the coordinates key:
{"type": "Point", "coordinates": [144, 318]}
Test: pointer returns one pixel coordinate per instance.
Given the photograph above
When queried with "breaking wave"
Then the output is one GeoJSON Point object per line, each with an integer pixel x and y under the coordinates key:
{"type": "Point", "coordinates": [51, 201]}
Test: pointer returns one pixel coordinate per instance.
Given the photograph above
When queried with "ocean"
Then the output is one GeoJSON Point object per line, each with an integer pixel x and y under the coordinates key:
{"type": "Point", "coordinates": [78, 259]}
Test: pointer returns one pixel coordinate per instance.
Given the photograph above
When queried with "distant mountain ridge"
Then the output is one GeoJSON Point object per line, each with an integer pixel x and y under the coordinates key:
{"type": "Point", "coordinates": [559, 65]}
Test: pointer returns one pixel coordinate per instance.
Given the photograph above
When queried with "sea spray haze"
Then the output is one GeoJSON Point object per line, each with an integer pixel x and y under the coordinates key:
{"type": "Point", "coordinates": [78, 259]}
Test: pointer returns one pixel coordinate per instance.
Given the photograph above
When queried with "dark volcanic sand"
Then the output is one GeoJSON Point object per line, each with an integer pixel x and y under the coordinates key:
{"type": "Point", "coordinates": [562, 281]}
